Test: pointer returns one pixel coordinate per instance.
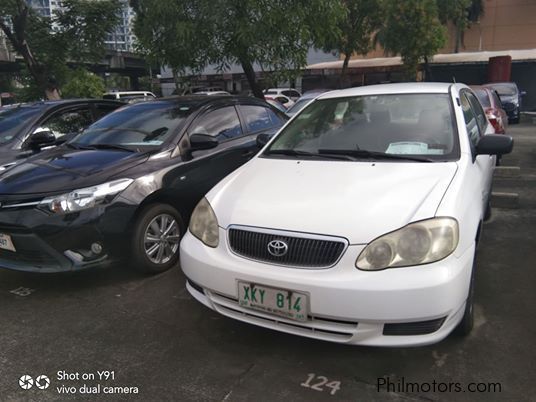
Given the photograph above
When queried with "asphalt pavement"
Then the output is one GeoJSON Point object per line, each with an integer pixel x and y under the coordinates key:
{"type": "Point", "coordinates": [112, 334]}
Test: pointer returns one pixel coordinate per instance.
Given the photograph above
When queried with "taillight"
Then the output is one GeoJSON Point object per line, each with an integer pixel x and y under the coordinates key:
{"type": "Point", "coordinates": [495, 120]}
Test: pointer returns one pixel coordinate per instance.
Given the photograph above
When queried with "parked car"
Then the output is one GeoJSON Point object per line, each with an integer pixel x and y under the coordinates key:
{"type": "Point", "coordinates": [510, 96]}
{"type": "Point", "coordinates": [490, 101]}
{"type": "Point", "coordinates": [212, 93]}
{"type": "Point", "coordinates": [282, 99]}
{"type": "Point", "coordinates": [357, 223]}
{"type": "Point", "coordinates": [28, 127]}
{"type": "Point", "coordinates": [7, 98]}
{"type": "Point", "coordinates": [304, 100]}
{"type": "Point", "coordinates": [130, 96]}
{"type": "Point", "coordinates": [290, 93]}
{"type": "Point", "coordinates": [126, 185]}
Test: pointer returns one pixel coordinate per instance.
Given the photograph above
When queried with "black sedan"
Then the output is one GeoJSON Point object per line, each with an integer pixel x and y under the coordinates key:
{"type": "Point", "coordinates": [126, 186]}
{"type": "Point", "coordinates": [28, 127]}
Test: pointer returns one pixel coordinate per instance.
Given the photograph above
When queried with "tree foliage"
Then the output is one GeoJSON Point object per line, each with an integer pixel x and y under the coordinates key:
{"type": "Point", "coordinates": [275, 35]}
{"type": "Point", "coordinates": [356, 27]}
{"type": "Point", "coordinates": [412, 29]}
{"type": "Point", "coordinates": [83, 84]}
{"type": "Point", "coordinates": [76, 33]}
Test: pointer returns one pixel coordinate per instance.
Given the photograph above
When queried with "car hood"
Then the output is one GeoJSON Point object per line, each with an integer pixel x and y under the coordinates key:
{"type": "Point", "coordinates": [356, 200]}
{"type": "Point", "coordinates": [63, 169]}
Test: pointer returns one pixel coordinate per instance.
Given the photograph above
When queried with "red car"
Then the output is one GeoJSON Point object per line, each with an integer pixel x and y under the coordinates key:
{"type": "Point", "coordinates": [492, 106]}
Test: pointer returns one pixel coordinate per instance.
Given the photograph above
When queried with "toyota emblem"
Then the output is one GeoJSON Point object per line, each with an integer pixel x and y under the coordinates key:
{"type": "Point", "coordinates": [277, 248]}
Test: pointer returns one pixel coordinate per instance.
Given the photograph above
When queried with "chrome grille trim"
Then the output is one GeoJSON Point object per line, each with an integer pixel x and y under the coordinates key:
{"type": "Point", "coordinates": [306, 250]}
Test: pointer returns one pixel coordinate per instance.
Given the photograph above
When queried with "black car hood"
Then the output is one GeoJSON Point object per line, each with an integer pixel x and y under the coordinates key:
{"type": "Point", "coordinates": [63, 169]}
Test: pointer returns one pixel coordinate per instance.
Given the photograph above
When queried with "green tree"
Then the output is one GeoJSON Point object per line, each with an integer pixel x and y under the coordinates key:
{"type": "Point", "coordinates": [462, 14]}
{"type": "Point", "coordinates": [413, 30]}
{"type": "Point", "coordinates": [275, 35]}
{"type": "Point", "coordinates": [76, 33]}
{"type": "Point", "coordinates": [361, 20]}
{"type": "Point", "coordinates": [83, 84]}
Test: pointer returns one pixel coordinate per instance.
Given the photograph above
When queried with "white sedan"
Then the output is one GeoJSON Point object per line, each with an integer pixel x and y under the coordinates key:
{"type": "Point", "coordinates": [357, 223]}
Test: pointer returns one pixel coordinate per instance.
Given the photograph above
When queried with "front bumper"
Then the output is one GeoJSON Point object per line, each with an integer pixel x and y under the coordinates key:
{"type": "Point", "coordinates": [57, 243]}
{"type": "Point", "coordinates": [346, 305]}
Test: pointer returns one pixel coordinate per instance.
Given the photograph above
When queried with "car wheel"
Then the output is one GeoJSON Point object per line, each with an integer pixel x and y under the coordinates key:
{"type": "Point", "coordinates": [515, 120]}
{"type": "Point", "coordinates": [466, 324]}
{"type": "Point", "coordinates": [156, 239]}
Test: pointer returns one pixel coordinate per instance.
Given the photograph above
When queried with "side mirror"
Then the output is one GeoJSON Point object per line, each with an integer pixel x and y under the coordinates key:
{"type": "Point", "coordinates": [202, 141]}
{"type": "Point", "coordinates": [494, 144]}
{"type": "Point", "coordinates": [523, 93]}
{"type": "Point", "coordinates": [262, 139]}
{"type": "Point", "coordinates": [41, 139]}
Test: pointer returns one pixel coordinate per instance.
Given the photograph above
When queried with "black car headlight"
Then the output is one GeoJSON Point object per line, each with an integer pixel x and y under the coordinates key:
{"type": "Point", "coordinates": [84, 198]}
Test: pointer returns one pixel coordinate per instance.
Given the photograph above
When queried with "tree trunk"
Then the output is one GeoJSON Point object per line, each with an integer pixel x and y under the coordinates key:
{"type": "Point", "coordinates": [250, 75]}
{"type": "Point", "coordinates": [458, 39]}
{"type": "Point", "coordinates": [344, 70]}
{"type": "Point", "coordinates": [427, 71]}
{"type": "Point", "coordinates": [18, 41]}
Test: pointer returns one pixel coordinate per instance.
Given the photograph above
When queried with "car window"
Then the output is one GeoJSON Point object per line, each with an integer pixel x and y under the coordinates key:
{"type": "Point", "coordinates": [496, 100]}
{"type": "Point", "coordinates": [102, 110]}
{"type": "Point", "coordinates": [141, 125]}
{"type": "Point", "coordinates": [67, 122]}
{"type": "Point", "coordinates": [483, 97]}
{"type": "Point", "coordinates": [221, 123]}
{"type": "Point", "coordinates": [13, 120]}
{"type": "Point", "coordinates": [471, 123]}
{"type": "Point", "coordinates": [282, 99]}
{"type": "Point", "coordinates": [287, 93]}
{"type": "Point", "coordinates": [414, 124]}
{"type": "Point", "coordinates": [479, 112]}
{"type": "Point", "coordinates": [505, 89]}
{"type": "Point", "coordinates": [293, 94]}
{"type": "Point", "coordinates": [259, 118]}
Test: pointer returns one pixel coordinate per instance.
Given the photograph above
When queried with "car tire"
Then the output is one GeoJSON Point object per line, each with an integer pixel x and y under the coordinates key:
{"type": "Point", "coordinates": [466, 324]}
{"type": "Point", "coordinates": [515, 120]}
{"type": "Point", "coordinates": [156, 238]}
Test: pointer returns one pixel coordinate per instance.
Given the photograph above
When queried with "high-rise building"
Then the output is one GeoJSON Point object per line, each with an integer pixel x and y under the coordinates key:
{"type": "Point", "coordinates": [123, 38]}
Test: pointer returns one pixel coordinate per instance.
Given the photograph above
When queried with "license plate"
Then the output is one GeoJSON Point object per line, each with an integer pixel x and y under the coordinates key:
{"type": "Point", "coordinates": [284, 303]}
{"type": "Point", "coordinates": [6, 243]}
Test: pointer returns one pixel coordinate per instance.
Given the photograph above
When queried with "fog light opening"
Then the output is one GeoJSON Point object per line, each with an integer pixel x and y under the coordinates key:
{"type": "Point", "coordinates": [96, 248]}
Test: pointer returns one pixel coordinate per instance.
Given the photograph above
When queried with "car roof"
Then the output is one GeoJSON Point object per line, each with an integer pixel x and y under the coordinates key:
{"type": "Point", "coordinates": [197, 101]}
{"type": "Point", "coordinates": [382, 89]}
{"type": "Point", "coordinates": [48, 104]}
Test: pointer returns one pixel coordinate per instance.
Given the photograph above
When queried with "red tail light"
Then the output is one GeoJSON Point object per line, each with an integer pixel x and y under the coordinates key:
{"type": "Point", "coordinates": [495, 120]}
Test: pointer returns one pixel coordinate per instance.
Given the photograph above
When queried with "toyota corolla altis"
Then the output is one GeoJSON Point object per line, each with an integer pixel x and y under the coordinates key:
{"type": "Point", "coordinates": [358, 223]}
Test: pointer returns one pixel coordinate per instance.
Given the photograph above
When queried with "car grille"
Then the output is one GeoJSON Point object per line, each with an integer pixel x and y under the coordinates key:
{"type": "Point", "coordinates": [307, 251]}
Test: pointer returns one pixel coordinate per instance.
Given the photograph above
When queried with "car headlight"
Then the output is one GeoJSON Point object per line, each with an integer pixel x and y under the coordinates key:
{"type": "Point", "coordinates": [204, 224]}
{"type": "Point", "coordinates": [417, 243]}
{"type": "Point", "coordinates": [84, 198]}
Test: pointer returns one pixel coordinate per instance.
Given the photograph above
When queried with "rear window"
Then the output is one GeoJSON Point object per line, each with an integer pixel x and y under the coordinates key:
{"type": "Point", "coordinates": [482, 96]}
{"type": "Point", "coordinates": [505, 89]}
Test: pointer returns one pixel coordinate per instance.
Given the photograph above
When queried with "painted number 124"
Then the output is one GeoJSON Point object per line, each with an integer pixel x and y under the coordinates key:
{"type": "Point", "coordinates": [320, 383]}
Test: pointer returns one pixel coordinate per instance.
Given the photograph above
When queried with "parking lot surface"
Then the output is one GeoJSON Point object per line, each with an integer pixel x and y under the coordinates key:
{"type": "Point", "coordinates": [102, 333]}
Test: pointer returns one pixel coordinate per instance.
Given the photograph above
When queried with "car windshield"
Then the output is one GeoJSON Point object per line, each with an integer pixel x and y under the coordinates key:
{"type": "Point", "coordinates": [12, 119]}
{"type": "Point", "coordinates": [138, 127]}
{"type": "Point", "coordinates": [381, 127]}
{"type": "Point", "coordinates": [505, 89]}
{"type": "Point", "coordinates": [482, 96]}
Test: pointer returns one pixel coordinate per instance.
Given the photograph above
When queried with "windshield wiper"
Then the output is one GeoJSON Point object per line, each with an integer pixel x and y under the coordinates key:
{"type": "Point", "coordinates": [294, 152]}
{"type": "Point", "coordinates": [363, 153]}
{"type": "Point", "coordinates": [74, 145]}
{"type": "Point", "coordinates": [110, 146]}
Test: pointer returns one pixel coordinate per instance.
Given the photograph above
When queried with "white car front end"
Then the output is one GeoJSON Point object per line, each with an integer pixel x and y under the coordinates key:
{"type": "Point", "coordinates": [283, 243]}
